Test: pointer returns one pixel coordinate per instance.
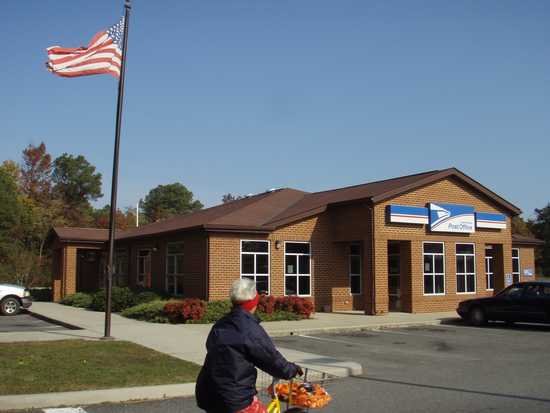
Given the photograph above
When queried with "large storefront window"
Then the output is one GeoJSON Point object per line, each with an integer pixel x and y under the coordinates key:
{"type": "Point", "coordinates": [174, 268]}
{"type": "Point", "coordinates": [434, 268]}
{"type": "Point", "coordinates": [465, 268]}
{"type": "Point", "coordinates": [255, 263]}
{"type": "Point", "coordinates": [355, 268]}
{"type": "Point", "coordinates": [515, 265]}
{"type": "Point", "coordinates": [489, 268]}
{"type": "Point", "coordinates": [297, 268]}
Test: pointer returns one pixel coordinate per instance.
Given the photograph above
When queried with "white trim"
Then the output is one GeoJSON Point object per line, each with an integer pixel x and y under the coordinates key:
{"type": "Point", "coordinates": [268, 253]}
{"type": "Point", "coordinates": [519, 265]}
{"type": "Point", "coordinates": [491, 258]}
{"type": "Point", "coordinates": [434, 274]}
{"type": "Point", "coordinates": [360, 275]}
{"type": "Point", "coordinates": [297, 275]}
{"type": "Point", "coordinates": [490, 224]}
{"type": "Point", "coordinates": [408, 219]}
{"type": "Point", "coordinates": [466, 273]}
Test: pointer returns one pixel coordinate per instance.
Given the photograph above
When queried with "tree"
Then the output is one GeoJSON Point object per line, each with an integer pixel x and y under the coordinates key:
{"type": "Point", "coordinates": [520, 226]}
{"type": "Point", "coordinates": [124, 220]}
{"type": "Point", "coordinates": [36, 172]}
{"type": "Point", "coordinates": [76, 183]}
{"type": "Point", "coordinates": [229, 197]}
{"type": "Point", "coordinates": [11, 212]}
{"type": "Point", "coordinates": [540, 226]}
{"type": "Point", "coordinates": [168, 200]}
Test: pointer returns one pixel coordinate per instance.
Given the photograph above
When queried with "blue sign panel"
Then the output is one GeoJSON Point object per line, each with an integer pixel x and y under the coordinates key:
{"type": "Point", "coordinates": [452, 218]}
{"type": "Point", "coordinates": [408, 214]}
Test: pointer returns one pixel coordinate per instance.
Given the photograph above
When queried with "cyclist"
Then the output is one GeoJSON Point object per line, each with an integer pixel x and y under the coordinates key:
{"type": "Point", "coordinates": [236, 345]}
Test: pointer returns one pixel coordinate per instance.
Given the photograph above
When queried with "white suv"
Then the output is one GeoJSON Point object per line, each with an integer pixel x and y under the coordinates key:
{"type": "Point", "coordinates": [13, 298]}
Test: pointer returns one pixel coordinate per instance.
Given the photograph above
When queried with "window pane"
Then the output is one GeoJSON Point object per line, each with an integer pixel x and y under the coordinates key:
{"type": "Point", "coordinates": [304, 285]}
{"type": "Point", "coordinates": [438, 263]}
{"type": "Point", "coordinates": [428, 284]}
{"type": "Point", "coordinates": [487, 265]}
{"type": "Point", "coordinates": [170, 284]}
{"type": "Point", "coordinates": [394, 285]}
{"type": "Point", "coordinates": [179, 264]}
{"type": "Point", "coordinates": [291, 287]}
{"type": "Point", "coordinates": [491, 282]}
{"type": "Point", "coordinates": [355, 264]}
{"type": "Point", "coordinates": [262, 264]}
{"type": "Point", "coordinates": [355, 284]}
{"type": "Point", "coordinates": [304, 264]}
{"type": "Point", "coordinates": [460, 284]}
{"type": "Point", "coordinates": [515, 252]}
{"type": "Point", "coordinates": [428, 264]}
{"type": "Point", "coordinates": [175, 248]}
{"type": "Point", "coordinates": [432, 247]}
{"type": "Point", "coordinates": [247, 264]}
{"type": "Point", "coordinates": [439, 284]}
{"type": "Point", "coordinates": [470, 283]}
{"type": "Point", "coordinates": [460, 266]}
{"type": "Point", "coordinates": [262, 284]}
{"type": "Point", "coordinates": [515, 265]}
{"type": "Point", "coordinates": [470, 264]}
{"type": "Point", "coordinates": [143, 253]}
{"type": "Point", "coordinates": [141, 266]}
{"type": "Point", "coordinates": [491, 265]}
{"type": "Point", "coordinates": [355, 249]}
{"type": "Point", "coordinates": [291, 264]}
{"type": "Point", "coordinates": [255, 246]}
{"type": "Point", "coordinates": [394, 264]}
{"type": "Point", "coordinates": [464, 249]}
{"type": "Point", "coordinates": [171, 261]}
{"type": "Point", "coordinates": [297, 248]}
{"type": "Point", "coordinates": [393, 248]}
{"type": "Point", "coordinates": [179, 285]}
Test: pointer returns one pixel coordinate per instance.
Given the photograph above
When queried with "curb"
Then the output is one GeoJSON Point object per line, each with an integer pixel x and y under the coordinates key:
{"type": "Point", "coordinates": [54, 321]}
{"type": "Point", "coordinates": [91, 397]}
{"type": "Point", "coordinates": [382, 326]}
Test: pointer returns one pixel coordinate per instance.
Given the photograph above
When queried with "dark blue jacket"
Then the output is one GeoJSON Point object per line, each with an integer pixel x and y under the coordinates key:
{"type": "Point", "coordinates": [235, 346]}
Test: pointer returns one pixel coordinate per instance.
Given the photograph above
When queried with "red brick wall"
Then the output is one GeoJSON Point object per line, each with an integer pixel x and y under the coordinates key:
{"type": "Point", "coordinates": [447, 191]}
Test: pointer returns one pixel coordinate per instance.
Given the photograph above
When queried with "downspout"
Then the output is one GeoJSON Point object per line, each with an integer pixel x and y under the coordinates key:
{"type": "Point", "coordinates": [372, 262]}
{"type": "Point", "coordinates": [207, 272]}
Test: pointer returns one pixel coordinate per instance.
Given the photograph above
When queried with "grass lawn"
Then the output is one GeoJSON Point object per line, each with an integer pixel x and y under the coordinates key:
{"type": "Point", "coordinates": [67, 365]}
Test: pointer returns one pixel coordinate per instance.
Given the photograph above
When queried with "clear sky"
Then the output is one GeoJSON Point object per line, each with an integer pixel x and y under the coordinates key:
{"type": "Point", "coordinates": [242, 96]}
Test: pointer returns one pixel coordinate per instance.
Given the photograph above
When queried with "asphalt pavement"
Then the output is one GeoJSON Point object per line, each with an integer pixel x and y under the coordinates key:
{"type": "Point", "coordinates": [448, 368]}
{"type": "Point", "coordinates": [25, 322]}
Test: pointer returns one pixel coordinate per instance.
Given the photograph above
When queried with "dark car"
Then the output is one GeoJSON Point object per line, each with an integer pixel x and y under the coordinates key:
{"type": "Point", "coordinates": [522, 302]}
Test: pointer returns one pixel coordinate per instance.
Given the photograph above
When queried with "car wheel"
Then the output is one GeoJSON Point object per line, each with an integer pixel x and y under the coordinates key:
{"type": "Point", "coordinates": [477, 317]}
{"type": "Point", "coordinates": [10, 306]}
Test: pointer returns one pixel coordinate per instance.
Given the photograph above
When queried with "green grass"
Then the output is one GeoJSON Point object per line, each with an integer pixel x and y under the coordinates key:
{"type": "Point", "coordinates": [68, 365]}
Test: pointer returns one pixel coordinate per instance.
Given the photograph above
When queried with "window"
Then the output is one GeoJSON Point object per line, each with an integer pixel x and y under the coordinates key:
{"type": "Point", "coordinates": [515, 265]}
{"type": "Point", "coordinates": [355, 268]}
{"type": "Point", "coordinates": [144, 266]}
{"type": "Point", "coordinates": [121, 267]}
{"type": "Point", "coordinates": [513, 291]}
{"type": "Point", "coordinates": [465, 268]}
{"type": "Point", "coordinates": [174, 268]}
{"type": "Point", "coordinates": [489, 268]}
{"type": "Point", "coordinates": [297, 268]}
{"type": "Point", "coordinates": [434, 268]}
{"type": "Point", "coordinates": [255, 263]}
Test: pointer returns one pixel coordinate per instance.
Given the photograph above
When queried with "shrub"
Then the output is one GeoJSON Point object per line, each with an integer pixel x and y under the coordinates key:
{"type": "Point", "coordinates": [121, 298]}
{"type": "Point", "coordinates": [81, 300]}
{"type": "Point", "coordinates": [266, 304]}
{"type": "Point", "coordinates": [297, 305]}
{"type": "Point", "coordinates": [278, 316]}
{"type": "Point", "coordinates": [216, 310]}
{"type": "Point", "coordinates": [146, 297]}
{"type": "Point", "coordinates": [152, 311]}
{"type": "Point", "coordinates": [185, 310]}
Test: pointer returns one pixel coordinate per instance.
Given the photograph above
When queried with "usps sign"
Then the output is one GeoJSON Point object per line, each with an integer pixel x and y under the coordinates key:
{"type": "Point", "coordinates": [452, 218]}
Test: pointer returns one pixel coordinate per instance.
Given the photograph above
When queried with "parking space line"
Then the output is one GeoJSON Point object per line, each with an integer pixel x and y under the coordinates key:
{"type": "Point", "coordinates": [326, 339]}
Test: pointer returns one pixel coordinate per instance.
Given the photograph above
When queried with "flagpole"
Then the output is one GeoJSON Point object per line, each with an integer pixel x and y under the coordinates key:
{"type": "Point", "coordinates": [114, 186]}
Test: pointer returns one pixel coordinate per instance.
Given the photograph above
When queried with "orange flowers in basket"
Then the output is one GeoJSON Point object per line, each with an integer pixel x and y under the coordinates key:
{"type": "Point", "coordinates": [309, 396]}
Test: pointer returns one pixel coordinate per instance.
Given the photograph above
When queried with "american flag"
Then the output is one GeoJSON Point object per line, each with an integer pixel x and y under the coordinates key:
{"type": "Point", "coordinates": [102, 55]}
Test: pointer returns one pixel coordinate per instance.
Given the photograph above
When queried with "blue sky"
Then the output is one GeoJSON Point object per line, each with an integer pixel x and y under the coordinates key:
{"type": "Point", "coordinates": [243, 96]}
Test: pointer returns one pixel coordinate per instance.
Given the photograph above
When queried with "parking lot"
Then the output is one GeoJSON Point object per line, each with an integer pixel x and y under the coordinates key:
{"type": "Point", "coordinates": [25, 322]}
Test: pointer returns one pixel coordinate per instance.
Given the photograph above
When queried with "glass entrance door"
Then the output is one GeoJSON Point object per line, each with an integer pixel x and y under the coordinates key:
{"type": "Point", "coordinates": [394, 276]}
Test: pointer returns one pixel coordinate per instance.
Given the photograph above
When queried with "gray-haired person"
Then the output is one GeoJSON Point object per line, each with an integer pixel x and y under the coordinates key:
{"type": "Point", "coordinates": [236, 345]}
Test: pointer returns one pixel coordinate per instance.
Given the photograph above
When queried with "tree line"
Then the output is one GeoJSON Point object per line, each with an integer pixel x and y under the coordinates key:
{"type": "Point", "coordinates": [40, 192]}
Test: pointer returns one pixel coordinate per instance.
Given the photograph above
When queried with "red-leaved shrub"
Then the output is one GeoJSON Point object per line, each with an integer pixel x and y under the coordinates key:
{"type": "Point", "coordinates": [297, 305]}
{"type": "Point", "coordinates": [266, 304]}
{"type": "Point", "coordinates": [184, 310]}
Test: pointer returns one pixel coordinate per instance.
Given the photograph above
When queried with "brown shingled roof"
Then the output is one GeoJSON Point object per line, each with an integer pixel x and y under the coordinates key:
{"type": "Point", "coordinates": [525, 240]}
{"type": "Point", "coordinates": [269, 210]}
{"type": "Point", "coordinates": [95, 235]}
